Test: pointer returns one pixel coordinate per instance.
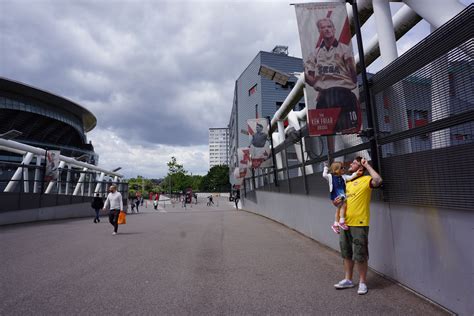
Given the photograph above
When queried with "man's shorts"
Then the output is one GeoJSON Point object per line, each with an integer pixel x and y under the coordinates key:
{"type": "Point", "coordinates": [354, 243]}
{"type": "Point", "coordinates": [347, 101]}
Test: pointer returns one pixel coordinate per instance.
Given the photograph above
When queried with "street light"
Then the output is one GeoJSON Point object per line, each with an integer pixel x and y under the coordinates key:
{"type": "Point", "coordinates": [116, 169]}
{"type": "Point", "coordinates": [11, 134]}
{"type": "Point", "coordinates": [273, 74]}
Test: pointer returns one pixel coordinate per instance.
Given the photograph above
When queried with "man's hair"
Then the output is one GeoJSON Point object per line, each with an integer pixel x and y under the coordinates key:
{"type": "Point", "coordinates": [325, 19]}
{"type": "Point", "coordinates": [359, 160]}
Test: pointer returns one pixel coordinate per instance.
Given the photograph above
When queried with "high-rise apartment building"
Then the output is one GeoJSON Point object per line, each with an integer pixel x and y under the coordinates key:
{"type": "Point", "coordinates": [218, 146]}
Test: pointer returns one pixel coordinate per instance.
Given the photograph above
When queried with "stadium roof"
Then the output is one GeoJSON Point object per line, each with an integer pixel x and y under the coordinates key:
{"type": "Point", "coordinates": [89, 121]}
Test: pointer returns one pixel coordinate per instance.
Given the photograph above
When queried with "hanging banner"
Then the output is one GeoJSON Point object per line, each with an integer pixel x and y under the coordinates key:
{"type": "Point", "coordinates": [52, 164]}
{"type": "Point", "coordinates": [237, 175]}
{"type": "Point", "coordinates": [259, 142]}
{"type": "Point", "coordinates": [332, 95]}
{"type": "Point", "coordinates": [243, 155]}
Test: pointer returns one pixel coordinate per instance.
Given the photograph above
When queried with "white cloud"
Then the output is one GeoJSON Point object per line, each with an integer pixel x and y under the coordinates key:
{"type": "Point", "coordinates": [149, 161]}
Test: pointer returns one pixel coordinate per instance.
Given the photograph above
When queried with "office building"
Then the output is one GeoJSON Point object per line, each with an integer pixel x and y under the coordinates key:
{"type": "Point", "coordinates": [257, 96]}
{"type": "Point", "coordinates": [218, 146]}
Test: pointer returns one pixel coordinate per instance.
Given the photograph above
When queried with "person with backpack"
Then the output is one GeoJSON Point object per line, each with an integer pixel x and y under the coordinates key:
{"type": "Point", "coordinates": [97, 204]}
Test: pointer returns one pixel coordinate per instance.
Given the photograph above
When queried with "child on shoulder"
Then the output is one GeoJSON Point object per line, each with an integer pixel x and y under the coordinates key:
{"type": "Point", "coordinates": [337, 186]}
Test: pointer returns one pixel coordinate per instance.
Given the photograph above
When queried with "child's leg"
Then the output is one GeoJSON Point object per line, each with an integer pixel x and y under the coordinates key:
{"type": "Point", "coordinates": [342, 219]}
{"type": "Point", "coordinates": [342, 213]}
{"type": "Point", "coordinates": [337, 215]}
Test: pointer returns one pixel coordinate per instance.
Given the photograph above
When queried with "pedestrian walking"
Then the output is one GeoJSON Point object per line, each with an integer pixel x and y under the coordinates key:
{"type": "Point", "coordinates": [114, 205]}
{"type": "Point", "coordinates": [237, 198]}
{"type": "Point", "coordinates": [210, 200]}
{"type": "Point", "coordinates": [97, 204]}
{"type": "Point", "coordinates": [137, 203]}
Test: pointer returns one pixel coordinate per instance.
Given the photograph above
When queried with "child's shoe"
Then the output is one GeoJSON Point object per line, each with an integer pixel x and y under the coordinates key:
{"type": "Point", "coordinates": [343, 225]}
{"type": "Point", "coordinates": [335, 228]}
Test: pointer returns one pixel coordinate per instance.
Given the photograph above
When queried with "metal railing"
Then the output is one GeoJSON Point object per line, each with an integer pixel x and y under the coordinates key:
{"type": "Point", "coordinates": [423, 105]}
{"type": "Point", "coordinates": [30, 189]}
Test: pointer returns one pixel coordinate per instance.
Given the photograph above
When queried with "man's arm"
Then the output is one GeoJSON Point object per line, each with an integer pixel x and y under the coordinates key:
{"type": "Point", "coordinates": [376, 178]}
{"type": "Point", "coordinates": [352, 70]}
{"type": "Point", "coordinates": [106, 204]}
{"type": "Point", "coordinates": [310, 78]}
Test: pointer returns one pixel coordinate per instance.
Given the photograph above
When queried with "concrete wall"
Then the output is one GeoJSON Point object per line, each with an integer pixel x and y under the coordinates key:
{"type": "Point", "coordinates": [47, 213]}
{"type": "Point", "coordinates": [428, 250]}
{"type": "Point", "coordinates": [50, 213]}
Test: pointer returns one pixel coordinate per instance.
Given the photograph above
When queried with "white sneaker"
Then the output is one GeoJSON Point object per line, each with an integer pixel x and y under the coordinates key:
{"type": "Point", "coordinates": [114, 233]}
{"type": "Point", "coordinates": [344, 284]}
{"type": "Point", "coordinates": [362, 289]}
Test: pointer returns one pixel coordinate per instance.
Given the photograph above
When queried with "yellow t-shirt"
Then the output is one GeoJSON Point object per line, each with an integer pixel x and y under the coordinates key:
{"type": "Point", "coordinates": [358, 192]}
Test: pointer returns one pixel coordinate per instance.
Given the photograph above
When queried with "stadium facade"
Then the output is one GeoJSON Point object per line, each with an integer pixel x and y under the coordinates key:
{"type": "Point", "coordinates": [45, 120]}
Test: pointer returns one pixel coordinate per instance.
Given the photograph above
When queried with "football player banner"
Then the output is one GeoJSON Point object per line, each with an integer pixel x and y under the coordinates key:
{"type": "Point", "coordinates": [52, 165]}
{"type": "Point", "coordinates": [243, 156]}
{"type": "Point", "coordinates": [331, 91]}
{"type": "Point", "coordinates": [259, 142]}
{"type": "Point", "coordinates": [236, 177]}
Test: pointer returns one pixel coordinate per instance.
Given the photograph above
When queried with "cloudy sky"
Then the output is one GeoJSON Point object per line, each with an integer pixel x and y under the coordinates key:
{"type": "Point", "coordinates": [156, 74]}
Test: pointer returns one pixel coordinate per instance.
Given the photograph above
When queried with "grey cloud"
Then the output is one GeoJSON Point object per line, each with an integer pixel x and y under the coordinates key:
{"type": "Point", "coordinates": [161, 56]}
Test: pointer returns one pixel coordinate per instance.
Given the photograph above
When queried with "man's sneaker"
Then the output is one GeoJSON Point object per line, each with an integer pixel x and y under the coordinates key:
{"type": "Point", "coordinates": [343, 226]}
{"type": "Point", "coordinates": [344, 284]}
{"type": "Point", "coordinates": [114, 233]}
{"type": "Point", "coordinates": [335, 228]}
{"type": "Point", "coordinates": [362, 289]}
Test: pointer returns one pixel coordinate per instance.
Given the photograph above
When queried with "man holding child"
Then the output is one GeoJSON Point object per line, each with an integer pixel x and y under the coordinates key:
{"type": "Point", "coordinates": [354, 241]}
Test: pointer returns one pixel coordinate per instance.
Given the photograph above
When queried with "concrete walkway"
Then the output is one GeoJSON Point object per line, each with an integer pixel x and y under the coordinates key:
{"type": "Point", "coordinates": [198, 261]}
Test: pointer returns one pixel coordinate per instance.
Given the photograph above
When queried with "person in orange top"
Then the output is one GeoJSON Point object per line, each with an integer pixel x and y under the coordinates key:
{"type": "Point", "coordinates": [354, 242]}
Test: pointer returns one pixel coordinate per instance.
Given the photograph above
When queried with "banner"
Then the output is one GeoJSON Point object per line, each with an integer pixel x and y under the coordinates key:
{"type": "Point", "coordinates": [259, 142]}
{"type": "Point", "coordinates": [332, 95]}
{"type": "Point", "coordinates": [243, 156]}
{"type": "Point", "coordinates": [52, 164]}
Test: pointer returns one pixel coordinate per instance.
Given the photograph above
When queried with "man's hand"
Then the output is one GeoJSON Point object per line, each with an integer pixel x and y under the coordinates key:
{"type": "Point", "coordinates": [310, 78]}
{"type": "Point", "coordinates": [376, 178]}
{"type": "Point", "coordinates": [364, 162]}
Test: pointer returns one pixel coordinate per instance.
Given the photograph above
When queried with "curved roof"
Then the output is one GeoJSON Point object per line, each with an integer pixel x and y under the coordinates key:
{"type": "Point", "coordinates": [89, 120]}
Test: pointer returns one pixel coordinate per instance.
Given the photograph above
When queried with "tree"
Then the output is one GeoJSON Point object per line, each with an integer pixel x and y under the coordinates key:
{"type": "Point", "coordinates": [142, 185]}
{"type": "Point", "coordinates": [177, 178]}
{"type": "Point", "coordinates": [216, 180]}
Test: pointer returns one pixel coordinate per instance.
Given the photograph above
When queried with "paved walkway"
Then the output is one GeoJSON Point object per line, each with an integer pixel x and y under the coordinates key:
{"type": "Point", "coordinates": [202, 261]}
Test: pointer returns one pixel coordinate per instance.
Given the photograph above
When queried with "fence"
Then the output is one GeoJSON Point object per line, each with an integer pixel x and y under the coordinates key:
{"type": "Point", "coordinates": [30, 193]}
{"type": "Point", "coordinates": [423, 105]}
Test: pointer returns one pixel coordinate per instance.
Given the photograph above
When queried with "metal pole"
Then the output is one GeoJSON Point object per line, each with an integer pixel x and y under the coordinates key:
{"type": "Point", "coordinates": [368, 104]}
{"type": "Point", "coordinates": [275, 176]}
{"type": "Point", "coordinates": [287, 169]}
{"type": "Point", "coordinates": [303, 167]}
